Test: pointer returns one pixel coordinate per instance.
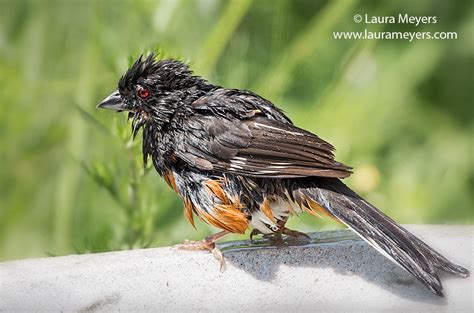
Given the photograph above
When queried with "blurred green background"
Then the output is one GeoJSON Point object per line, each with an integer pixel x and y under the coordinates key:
{"type": "Point", "coordinates": [72, 181]}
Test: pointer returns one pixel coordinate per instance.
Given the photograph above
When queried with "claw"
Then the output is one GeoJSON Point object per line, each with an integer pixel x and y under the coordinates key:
{"type": "Point", "coordinates": [217, 253]}
{"type": "Point", "coordinates": [206, 244]}
{"type": "Point", "coordinates": [276, 238]}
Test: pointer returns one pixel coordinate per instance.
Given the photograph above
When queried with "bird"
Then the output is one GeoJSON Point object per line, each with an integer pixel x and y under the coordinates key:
{"type": "Point", "coordinates": [239, 163]}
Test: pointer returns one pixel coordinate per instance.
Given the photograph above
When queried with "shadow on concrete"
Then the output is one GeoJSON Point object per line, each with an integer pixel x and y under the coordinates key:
{"type": "Point", "coordinates": [344, 254]}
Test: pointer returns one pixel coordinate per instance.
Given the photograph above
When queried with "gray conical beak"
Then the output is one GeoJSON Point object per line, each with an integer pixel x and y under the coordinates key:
{"type": "Point", "coordinates": [114, 102]}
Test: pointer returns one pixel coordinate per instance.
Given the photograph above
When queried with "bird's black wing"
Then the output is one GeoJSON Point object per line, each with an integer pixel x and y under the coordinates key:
{"type": "Point", "coordinates": [256, 146]}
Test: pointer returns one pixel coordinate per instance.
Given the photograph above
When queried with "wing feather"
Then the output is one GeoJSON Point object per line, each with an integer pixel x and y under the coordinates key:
{"type": "Point", "coordinates": [258, 147]}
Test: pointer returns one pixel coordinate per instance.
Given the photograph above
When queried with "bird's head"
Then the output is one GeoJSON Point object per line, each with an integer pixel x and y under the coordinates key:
{"type": "Point", "coordinates": [151, 90]}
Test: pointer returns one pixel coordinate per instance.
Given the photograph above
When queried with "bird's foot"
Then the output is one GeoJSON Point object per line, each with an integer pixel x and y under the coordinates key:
{"type": "Point", "coordinates": [208, 244]}
{"type": "Point", "coordinates": [273, 239]}
{"type": "Point", "coordinates": [295, 237]}
{"type": "Point", "coordinates": [294, 233]}
{"type": "Point", "coordinates": [276, 239]}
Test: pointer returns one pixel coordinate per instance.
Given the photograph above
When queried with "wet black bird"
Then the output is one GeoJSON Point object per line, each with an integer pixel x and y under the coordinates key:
{"type": "Point", "coordinates": [237, 161]}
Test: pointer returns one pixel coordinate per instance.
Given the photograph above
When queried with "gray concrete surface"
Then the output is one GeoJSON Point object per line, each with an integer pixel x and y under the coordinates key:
{"type": "Point", "coordinates": [337, 274]}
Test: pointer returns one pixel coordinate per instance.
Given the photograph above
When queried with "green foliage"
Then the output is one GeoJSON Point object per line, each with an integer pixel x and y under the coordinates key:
{"type": "Point", "coordinates": [72, 180]}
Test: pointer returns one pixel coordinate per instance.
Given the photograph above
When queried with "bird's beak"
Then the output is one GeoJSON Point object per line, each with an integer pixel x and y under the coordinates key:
{"type": "Point", "coordinates": [114, 102]}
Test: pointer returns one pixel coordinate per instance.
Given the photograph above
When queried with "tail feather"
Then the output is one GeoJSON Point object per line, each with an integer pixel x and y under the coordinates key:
{"type": "Point", "coordinates": [379, 230]}
{"type": "Point", "coordinates": [439, 261]}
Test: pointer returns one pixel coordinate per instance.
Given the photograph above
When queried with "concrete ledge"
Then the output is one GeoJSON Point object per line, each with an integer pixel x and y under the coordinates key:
{"type": "Point", "coordinates": [339, 273]}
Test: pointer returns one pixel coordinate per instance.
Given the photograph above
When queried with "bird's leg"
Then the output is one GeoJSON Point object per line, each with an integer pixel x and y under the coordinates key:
{"type": "Point", "coordinates": [280, 223]}
{"type": "Point", "coordinates": [289, 232]}
{"type": "Point", "coordinates": [207, 243]}
{"type": "Point", "coordinates": [274, 239]}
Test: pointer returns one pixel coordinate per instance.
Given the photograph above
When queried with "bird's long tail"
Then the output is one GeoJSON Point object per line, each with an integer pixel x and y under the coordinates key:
{"type": "Point", "coordinates": [378, 230]}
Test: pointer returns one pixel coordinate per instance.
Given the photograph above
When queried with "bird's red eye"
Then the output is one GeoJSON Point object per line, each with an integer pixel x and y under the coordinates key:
{"type": "Point", "coordinates": [143, 92]}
